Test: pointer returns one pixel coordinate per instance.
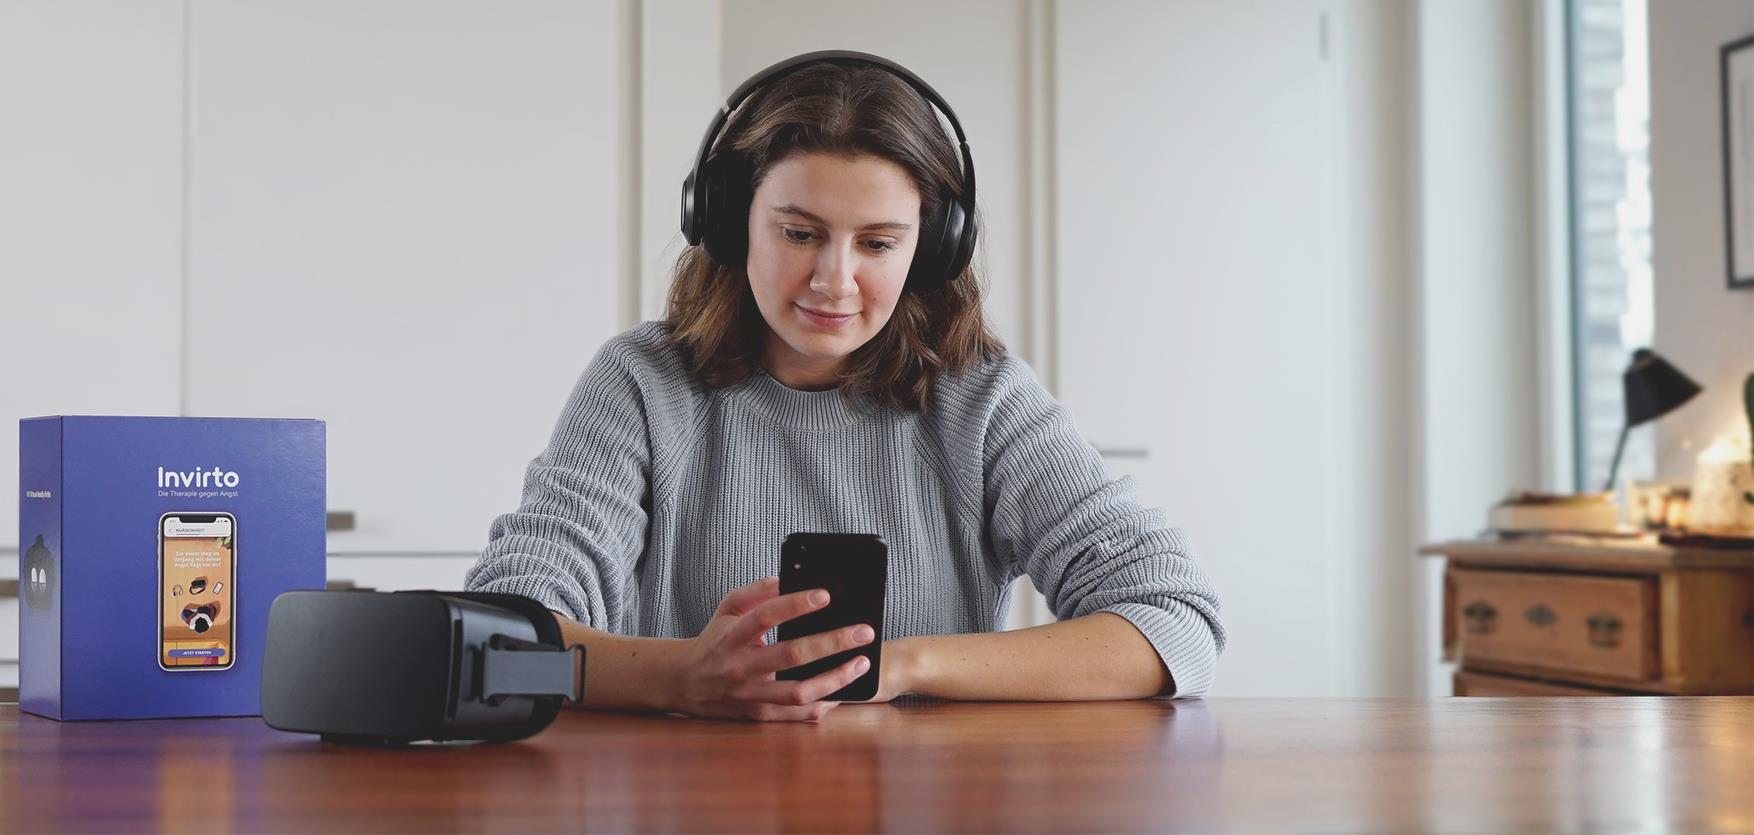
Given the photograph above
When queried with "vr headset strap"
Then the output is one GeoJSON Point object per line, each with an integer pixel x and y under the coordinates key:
{"type": "Point", "coordinates": [515, 667]}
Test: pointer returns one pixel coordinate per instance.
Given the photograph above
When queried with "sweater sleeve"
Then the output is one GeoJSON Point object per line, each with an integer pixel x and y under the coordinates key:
{"type": "Point", "coordinates": [580, 528]}
{"type": "Point", "coordinates": [1085, 540]}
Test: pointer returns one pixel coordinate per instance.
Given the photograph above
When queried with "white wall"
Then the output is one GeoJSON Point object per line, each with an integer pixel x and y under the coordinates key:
{"type": "Point", "coordinates": [1476, 391]}
{"type": "Point", "coordinates": [1703, 327]}
{"type": "Point", "coordinates": [408, 220]}
{"type": "Point", "coordinates": [679, 92]}
{"type": "Point", "coordinates": [91, 111]}
{"type": "Point", "coordinates": [1376, 652]}
{"type": "Point", "coordinates": [91, 215]}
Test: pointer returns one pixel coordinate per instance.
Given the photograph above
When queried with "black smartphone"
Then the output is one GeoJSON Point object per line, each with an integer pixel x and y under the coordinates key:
{"type": "Point", "coordinates": [854, 568]}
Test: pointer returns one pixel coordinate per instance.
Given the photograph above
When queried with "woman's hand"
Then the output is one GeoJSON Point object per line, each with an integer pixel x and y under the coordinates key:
{"type": "Point", "coordinates": [728, 671]}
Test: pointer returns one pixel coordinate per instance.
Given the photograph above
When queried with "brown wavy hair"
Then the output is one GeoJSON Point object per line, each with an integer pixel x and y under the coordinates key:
{"type": "Point", "coordinates": [848, 111]}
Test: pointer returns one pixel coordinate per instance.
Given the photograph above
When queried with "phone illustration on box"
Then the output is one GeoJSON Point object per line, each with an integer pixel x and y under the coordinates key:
{"type": "Point", "coordinates": [197, 591]}
{"type": "Point", "coordinates": [854, 568]}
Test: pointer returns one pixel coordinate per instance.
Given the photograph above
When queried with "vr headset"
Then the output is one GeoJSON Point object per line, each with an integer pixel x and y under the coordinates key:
{"type": "Point", "coordinates": [388, 668]}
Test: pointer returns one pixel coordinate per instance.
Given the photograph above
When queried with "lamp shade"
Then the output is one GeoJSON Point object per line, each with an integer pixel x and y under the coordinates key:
{"type": "Point", "coordinates": [1654, 387]}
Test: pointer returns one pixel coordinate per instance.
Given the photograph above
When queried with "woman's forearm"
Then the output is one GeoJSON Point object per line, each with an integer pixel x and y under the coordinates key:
{"type": "Point", "coordinates": [1095, 657]}
{"type": "Point", "coordinates": [624, 672]}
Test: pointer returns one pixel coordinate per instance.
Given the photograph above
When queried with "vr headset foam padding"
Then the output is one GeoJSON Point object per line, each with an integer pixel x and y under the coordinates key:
{"type": "Point", "coordinates": [395, 667]}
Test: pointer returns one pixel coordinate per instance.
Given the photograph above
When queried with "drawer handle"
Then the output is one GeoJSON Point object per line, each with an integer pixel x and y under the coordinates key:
{"type": "Point", "coordinates": [1540, 615]}
{"type": "Point", "coordinates": [1482, 617]}
{"type": "Point", "coordinates": [1605, 629]}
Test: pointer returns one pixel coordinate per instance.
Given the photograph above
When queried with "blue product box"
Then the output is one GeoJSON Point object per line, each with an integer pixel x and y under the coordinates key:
{"type": "Point", "coordinates": [150, 549]}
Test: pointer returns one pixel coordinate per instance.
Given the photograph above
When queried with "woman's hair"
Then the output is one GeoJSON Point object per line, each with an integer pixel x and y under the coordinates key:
{"type": "Point", "coordinates": [849, 111]}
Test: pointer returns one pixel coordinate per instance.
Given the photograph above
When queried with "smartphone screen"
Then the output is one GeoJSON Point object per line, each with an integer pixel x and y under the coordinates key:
{"type": "Point", "coordinates": [854, 568]}
{"type": "Point", "coordinates": [197, 591]}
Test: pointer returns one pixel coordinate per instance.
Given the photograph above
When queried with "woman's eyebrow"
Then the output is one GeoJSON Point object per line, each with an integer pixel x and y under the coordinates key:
{"type": "Point", "coordinates": [789, 209]}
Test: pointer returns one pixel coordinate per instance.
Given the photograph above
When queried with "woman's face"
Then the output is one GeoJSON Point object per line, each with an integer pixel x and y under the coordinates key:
{"type": "Point", "coordinates": [830, 241]}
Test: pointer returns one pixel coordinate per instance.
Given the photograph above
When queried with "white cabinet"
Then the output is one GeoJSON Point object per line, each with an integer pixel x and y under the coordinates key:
{"type": "Point", "coordinates": [404, 219]}
{"type": "Point", "coordinates": [90, 215]}
{"type": "Point", "coordinates": [1196, 287]}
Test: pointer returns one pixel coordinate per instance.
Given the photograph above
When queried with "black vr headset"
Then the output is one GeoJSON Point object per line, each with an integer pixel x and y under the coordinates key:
{"type": "Point", "coordinates": [389, 668]}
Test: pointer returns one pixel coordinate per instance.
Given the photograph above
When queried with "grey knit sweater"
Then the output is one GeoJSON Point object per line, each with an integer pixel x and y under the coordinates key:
{"type": "Point", "coordinates": [657, 495]}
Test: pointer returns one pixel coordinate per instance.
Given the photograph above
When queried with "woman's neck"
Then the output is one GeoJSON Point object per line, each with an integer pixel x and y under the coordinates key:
{"type": "Point", "coordinates": [796, 371]}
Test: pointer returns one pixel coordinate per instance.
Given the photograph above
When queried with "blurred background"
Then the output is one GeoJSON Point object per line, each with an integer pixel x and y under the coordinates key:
{"type": "Point", "coordinates": [1326, 277]}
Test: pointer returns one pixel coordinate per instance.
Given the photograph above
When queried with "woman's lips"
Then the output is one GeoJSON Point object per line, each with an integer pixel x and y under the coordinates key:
{"type": "Point", "coordinates": [823, 319]}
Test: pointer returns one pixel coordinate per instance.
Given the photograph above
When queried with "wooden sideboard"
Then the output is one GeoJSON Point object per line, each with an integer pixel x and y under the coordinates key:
{"type": "Point", "coordinates": [1582, 616]}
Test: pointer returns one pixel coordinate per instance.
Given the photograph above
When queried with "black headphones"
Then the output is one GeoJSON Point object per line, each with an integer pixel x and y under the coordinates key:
{"type": "Point", "coordinates": [716, 195]}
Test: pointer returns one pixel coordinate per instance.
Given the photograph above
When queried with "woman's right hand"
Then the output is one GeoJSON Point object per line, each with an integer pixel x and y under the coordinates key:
{"type": "Point", "coordinates": [728, 670]}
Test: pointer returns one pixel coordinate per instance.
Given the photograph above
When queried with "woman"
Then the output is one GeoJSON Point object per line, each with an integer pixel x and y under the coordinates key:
{"type": "Point", "coordinates": [814, 373]}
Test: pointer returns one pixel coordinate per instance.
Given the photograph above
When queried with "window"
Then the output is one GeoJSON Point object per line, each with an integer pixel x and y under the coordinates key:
{"type": "Point", "coordinates": [1613, 306]}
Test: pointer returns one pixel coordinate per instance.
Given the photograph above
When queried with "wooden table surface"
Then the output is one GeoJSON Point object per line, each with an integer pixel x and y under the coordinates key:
{"type": "Point", "coordinates": [1238, 764]}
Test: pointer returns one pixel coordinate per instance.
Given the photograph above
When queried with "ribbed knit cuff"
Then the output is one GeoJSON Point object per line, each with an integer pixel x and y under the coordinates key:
{"type": "Point", "coordinates": [541, 589]}
{"type": "Point", "coordinates": [1182, 638]}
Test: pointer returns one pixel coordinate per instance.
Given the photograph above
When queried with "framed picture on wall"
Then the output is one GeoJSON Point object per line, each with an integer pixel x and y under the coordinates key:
{"type": "Point", "coordinates": [1737, 89]}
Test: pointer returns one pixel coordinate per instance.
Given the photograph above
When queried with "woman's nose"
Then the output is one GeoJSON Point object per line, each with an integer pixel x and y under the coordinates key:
{"type": "Point", "coordinates": [834, 273]}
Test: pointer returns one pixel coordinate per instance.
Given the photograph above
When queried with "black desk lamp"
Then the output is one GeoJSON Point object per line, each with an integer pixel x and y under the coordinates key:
{"type": "Point", "coordinates": [1653, 388]}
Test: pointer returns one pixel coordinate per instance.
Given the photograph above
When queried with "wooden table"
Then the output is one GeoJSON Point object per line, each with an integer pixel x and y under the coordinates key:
{"type": "Point", "coordinates": [1240, 764]}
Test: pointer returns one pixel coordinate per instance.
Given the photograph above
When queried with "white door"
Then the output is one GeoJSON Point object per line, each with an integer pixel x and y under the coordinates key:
{"type": "Point", "coordinates": [1193, 271]}
{"type": "Point", "coordinates": [404, 220]}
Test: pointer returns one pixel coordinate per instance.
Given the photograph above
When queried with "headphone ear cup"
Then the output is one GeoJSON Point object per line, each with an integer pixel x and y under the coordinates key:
{"type": "Point", "coordinates": [968, 230]}
{"type": "Point", "coordinates": [724, 221]}
{"type": "Point", "coordinates": [936, 255]}
{"type": "Point", "coordinates": [691, 206]}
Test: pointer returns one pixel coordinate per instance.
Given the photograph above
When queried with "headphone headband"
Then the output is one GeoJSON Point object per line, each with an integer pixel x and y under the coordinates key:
{"type": "Point", "coordinates": [849, 58]}
{"type": "Point", "coordinates": [954, 239]}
